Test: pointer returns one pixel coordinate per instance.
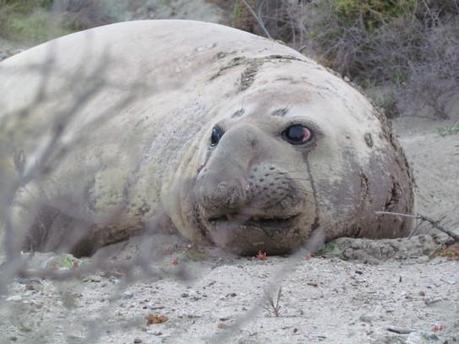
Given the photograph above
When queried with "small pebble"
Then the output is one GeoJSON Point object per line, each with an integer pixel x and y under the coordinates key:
{"type": "Point", "coordinates": [93, 278]}
{"type": "Point", "coordinates": [367, 318]}
{"type": "Point", "coordinates": [155, 333]}
{"type": "Point", "coordinates": [14, 298]}
{"type": "Point", "coordinates": [128, 295]}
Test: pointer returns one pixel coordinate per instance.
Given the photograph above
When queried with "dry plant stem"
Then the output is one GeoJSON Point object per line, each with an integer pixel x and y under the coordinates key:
{"type": "Point", "coordinates": [273, 303]}
{"type": "Point", "coordinates": [258, 19]}
{"type": "Point", "coordinates": [434, 223]}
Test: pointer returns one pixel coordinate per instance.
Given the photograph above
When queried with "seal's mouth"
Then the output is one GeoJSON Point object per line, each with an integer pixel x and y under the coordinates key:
{"type": "Point", "coordinates": [261, 222]}
{"type": "Point", "coordinates": [247, 234]}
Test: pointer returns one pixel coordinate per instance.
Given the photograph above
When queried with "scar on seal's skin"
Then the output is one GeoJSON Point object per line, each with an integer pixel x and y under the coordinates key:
{"type": "Point", "coordinates": [238, 113]}
{"type": "Point", "coordinates": [279, 112]}
{"type": "Point", "coordinates": [368, 140]}
{"type": "Point", "coordinates": [243, 60]}
{"type": "Point", "coordinates": [248, 75]}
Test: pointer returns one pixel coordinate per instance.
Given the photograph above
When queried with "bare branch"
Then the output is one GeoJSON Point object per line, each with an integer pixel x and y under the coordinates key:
{"type": "Point", "coordinates": [258, 19]}
{"type": "Point", "coordinates": [435, 223]}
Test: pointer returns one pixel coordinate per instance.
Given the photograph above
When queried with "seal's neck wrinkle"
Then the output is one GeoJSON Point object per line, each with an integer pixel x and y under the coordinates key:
{"type": "Point", "coordinates": [177, 194]}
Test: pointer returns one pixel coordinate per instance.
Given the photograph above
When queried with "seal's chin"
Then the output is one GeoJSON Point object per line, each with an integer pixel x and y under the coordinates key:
{"type": "Point", "coordinates": [248, 235]}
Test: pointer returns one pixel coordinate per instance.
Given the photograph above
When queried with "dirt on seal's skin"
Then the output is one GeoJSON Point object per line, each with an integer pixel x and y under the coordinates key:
{"type": "Point", "coordinates": [387, 291]}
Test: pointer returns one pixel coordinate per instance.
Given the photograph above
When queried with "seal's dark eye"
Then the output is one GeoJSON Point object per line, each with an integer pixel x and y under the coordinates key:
{"type": "Point", "coordinates": [297, 134]}
{"type": "Point", "coordinates": [217, 134]}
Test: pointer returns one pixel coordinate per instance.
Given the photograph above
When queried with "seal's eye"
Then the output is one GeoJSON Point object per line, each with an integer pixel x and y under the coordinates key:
{"type": "Point", "coordinates": [217, 134]}
{"type": "Point", "coordinates": [297, 134]}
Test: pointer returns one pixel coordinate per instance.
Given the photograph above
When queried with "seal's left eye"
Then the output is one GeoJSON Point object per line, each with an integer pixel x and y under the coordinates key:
{"type": "Point", "coordinates": [217, 134]}
{"type": "Point", "coordinates": [297, 134]}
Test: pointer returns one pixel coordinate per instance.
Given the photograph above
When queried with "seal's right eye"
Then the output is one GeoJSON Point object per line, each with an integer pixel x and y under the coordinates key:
{"type": "Point", "coordinates": [217, 134]}
{"type": "Point", "coordinates": [297, 134]}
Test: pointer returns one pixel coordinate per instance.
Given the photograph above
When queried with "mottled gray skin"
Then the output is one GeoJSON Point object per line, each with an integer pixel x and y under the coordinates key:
{"type": "Point", "coordinates": [150, 162]}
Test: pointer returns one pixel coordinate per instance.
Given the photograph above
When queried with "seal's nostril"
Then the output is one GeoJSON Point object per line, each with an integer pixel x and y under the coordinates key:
{"type": "Point", "coordinates": [216, 135]}
{"type": "Point", "coordinates": [222, 187]}
{"type": "Point", "coordinates": [223, 195]}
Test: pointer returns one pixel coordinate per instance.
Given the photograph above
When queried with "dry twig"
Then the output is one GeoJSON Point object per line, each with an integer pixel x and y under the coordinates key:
{"type": "Point", "coordinates": [435, 223]}
{"type": "Point", "coordinates": [258, 19]}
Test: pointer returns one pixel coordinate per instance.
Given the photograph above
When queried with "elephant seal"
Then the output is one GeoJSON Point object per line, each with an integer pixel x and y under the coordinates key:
{"type": "Point", "coordinates": [230, 139]}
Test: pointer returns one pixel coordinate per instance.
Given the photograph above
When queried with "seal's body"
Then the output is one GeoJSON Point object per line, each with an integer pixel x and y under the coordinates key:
{"type": "Point", "coordinates": [228, 137]}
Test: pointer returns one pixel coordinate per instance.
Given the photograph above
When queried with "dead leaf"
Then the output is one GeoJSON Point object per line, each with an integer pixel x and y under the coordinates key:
{"type": "Point", "coordinates": [261, 255]}
{"type": "Point", "coordinates": [156, 319]}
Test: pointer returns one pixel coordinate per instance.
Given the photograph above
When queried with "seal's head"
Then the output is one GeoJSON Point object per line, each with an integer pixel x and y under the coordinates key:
{"type": "Point", "coordinates": [253, 190]}
{"type": "Point", "coordinates": [291, 156]}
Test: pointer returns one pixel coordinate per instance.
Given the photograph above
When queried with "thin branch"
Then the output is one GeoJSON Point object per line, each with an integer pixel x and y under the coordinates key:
{"type": "Point", "coordinates": [259, 20]}
{"type": "Point", "coordinates": [435, 223]}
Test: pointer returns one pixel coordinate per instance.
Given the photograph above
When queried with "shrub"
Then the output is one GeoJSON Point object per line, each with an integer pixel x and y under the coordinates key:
{"type": "Point", "coordinates": [433, 79]}
{"type": "Point", "coordinates": [26, 6]}
{"type": "Point", "coordinates": [408, 46]}
{"type": "Point", "coordinates": [29, 21]}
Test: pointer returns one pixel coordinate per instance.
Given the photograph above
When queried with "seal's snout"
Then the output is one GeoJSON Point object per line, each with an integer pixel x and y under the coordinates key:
{"type": "Point", "coordinates": [231, 193]}
{"type": "Point", "coordinates": [220, 196]}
